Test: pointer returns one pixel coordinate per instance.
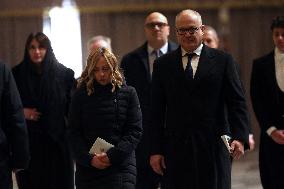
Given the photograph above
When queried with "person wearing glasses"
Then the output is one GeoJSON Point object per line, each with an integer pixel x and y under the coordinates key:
{"type": "Point", "coordinates": [267, 95]}
{"type": "Point", "coordinates": [190, 87]}
{"type": "Point", "coordinates": [138, 66]}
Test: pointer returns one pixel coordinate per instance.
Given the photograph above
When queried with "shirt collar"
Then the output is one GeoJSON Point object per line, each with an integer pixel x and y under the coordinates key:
{"type": "Point", "coordinates": [197, 51]}
{"type": "Point", "coordinates": [163, 49]}
{"type": "Point", "coordinates": [278, 54]}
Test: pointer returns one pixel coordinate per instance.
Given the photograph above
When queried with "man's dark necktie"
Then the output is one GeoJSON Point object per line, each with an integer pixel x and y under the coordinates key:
{"type": "Point", "coordinates": [188, 68]}
{"type": "Point", "coordinates": [157, 54]}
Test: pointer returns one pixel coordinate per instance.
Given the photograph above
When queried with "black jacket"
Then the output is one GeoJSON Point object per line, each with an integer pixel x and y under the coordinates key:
{"type": "Point", "coordinates": [115, 117]}
{"type": "Point", "coordinates": [136, 70]}
{"type": "Point", "coordinates": [268, 105]}
{"type": "Point", "coordinates": [48, 92]}
{"type": "Point", "coordinates": [14, 151]}
{"type": "Point", "coordinates": [188, 118]}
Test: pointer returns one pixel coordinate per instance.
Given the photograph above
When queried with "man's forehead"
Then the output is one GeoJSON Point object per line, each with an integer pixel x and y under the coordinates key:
{"type": "Point", "coordinates": [156, 17]}
{"type": "Point", "coordinates": [191, 19]}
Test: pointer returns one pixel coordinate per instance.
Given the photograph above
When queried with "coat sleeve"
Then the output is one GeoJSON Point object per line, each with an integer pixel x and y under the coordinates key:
{"type": "Point", "coordinates": [236, 103]}
{"type": "Point", "coordinates": [14, 122]}
{"type": "Point", "coordinates": [76, 139]}
{"type": "Point", "coordinates": [132, 131]}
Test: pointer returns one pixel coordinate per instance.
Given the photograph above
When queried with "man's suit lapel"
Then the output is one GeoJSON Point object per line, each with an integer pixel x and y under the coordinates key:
{"type": "Point", "coordinates": [142, 52]}
{"type": "Point", "coordinates": [269, 69]}
{"type": "Point", "coordinates": [143, 56]}
{"type": "Point", "coordinates": [205, 64]}
{"type": "Point", "coordinates": [177, 61]}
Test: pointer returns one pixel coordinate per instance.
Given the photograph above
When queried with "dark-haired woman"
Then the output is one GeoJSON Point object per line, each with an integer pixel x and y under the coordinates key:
{"type": "Point", "coordinates": [44, 86]}
{"type": "Point", "coordinates": [102, 106]}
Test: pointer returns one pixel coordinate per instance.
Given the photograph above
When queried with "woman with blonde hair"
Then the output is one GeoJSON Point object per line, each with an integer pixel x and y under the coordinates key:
{"type": "Point", "coordinates": [103, 106]}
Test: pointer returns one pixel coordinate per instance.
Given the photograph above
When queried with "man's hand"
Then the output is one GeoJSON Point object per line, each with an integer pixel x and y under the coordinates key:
{"type": "Point", "coordinates": [157, 163]}
{"type": "Point", "coordinates": [31, 114]}
{"type": "Point", "coordinates": [278, 136]}
{"type": "Point", "coordinates": [251, 142]}
{"type": "Point", "coordinates": [100, 161]}
{"type": "Point", "coordinates": [237, 149]}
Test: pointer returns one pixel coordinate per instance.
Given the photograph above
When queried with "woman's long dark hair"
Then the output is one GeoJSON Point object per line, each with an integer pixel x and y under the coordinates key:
{"type": "Point", "coordinates": [43, 41]}
{"type": "Point", "coordinates": [45, 86]}
{"type": "Point", "coordinates": [49, 93]}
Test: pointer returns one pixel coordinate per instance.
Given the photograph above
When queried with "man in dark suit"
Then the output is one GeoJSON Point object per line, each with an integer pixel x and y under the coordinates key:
{"type": "Point", "coordinates": [14, 154]}
{"type": "Point", "coordinates": [190, 87]}
{"type": "Point", "coordinates": [137, 66]}
{"type": "Point", "coordinates": [267, 95]}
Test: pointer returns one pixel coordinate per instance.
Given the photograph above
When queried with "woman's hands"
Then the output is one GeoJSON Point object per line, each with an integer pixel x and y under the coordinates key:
{"type": "Point", "coordinates": [100, 161]}
{"type": "Point", "coordinates": [31, 114]}
{"type": "Point", "coordinates": [157, 163]}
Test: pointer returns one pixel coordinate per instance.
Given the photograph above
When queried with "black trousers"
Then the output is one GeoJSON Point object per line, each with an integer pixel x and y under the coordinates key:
{"type": "Point", "coordinates": [271, 163]}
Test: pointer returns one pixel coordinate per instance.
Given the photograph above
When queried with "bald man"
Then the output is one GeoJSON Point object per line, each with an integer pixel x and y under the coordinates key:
{"type": "Point", "coordinates": [210, 37]}
{"type": "Point", "coordinates": [138, 66]}
{"type": "Point", "coordinates": [190, 88]}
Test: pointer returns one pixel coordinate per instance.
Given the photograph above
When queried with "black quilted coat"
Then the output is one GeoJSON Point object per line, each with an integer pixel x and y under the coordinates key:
{"type": "Point", "coordinates": [115, 117]}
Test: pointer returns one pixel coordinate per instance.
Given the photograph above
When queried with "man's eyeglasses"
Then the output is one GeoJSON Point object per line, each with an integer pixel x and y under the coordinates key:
{"type": "Point", "coordinates": [191, 30]}
{"type": "Point", "coordinates": [152, 25]}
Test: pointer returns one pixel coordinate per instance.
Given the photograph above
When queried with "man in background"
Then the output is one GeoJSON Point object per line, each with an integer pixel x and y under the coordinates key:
{"type": "Point", "coordinates": [190, 87]}
{"type": "Point", "coordinates": [138, 66]}
{"type": "Point", "coordinates": [210, 37]}
{"type": "Point", "coordinates": [14, 151]}
{"type": "Point", "coordinates": [99, 41]}
{"type": "Point", "coordinates": [267, 95]}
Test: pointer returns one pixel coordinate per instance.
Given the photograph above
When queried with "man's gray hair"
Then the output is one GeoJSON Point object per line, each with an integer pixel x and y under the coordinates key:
{"type": "Point", "coordinates": [99, 38]}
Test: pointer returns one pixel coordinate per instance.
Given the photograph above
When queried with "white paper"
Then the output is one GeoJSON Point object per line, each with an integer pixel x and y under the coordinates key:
{"type": "Point", "coordinates": [100, 146]}
{"type": "Point", "coordinates": [226, 140]}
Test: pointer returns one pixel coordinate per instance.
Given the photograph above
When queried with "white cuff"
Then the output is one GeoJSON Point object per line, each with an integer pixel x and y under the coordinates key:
{"type": "Point", "coordinates": [270, 130]}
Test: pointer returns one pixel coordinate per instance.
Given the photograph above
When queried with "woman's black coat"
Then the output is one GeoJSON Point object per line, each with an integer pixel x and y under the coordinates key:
{"type": "Point", "coordinates": [115, 117]}
{"type": "Point", "coordinates": [48, 91]}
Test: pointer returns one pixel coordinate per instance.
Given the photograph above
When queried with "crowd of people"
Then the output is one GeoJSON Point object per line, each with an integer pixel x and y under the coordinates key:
{"type": "Point", "coordinates": [169, 116]}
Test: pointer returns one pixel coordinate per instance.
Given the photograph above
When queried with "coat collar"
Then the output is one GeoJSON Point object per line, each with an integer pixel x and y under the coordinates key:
{"type": "Point", "coordinates": [205, 64]}
{"type": "Point", "coordinates": [143, 56]}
